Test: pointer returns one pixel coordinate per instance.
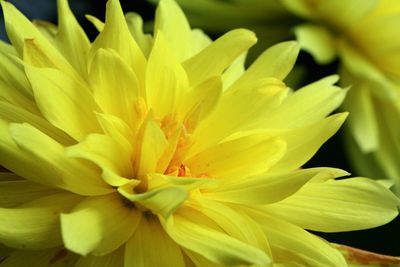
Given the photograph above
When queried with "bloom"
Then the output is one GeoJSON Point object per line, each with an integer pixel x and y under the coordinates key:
{"type": "Point", "coordinates": [136, 150]}
{"type": "Point", "coordinates": [369, 50]}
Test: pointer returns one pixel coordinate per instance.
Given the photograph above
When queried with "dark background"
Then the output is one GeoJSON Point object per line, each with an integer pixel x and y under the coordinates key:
{"type": "Point", "coordinates": [384, 239]}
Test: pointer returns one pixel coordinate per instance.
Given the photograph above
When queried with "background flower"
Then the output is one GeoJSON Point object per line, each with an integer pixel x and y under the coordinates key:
{"type": "Point", "coordinates": [366, 44]}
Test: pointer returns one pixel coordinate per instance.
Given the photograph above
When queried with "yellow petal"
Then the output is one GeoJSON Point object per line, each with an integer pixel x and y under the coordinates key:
{"type": "Point", "coordinates": [114, 259]}
{"type": "Point", "coordinates": [99, 225]}
{"type": "Point", "coordinates": [48, 29]}
{"type": "Point", "coordinates": [10, 152]}
{"type": "Point", "coordinates": [17, 114]}
{"type": "Point", "coordinates": [216, 57]}
{"type": "Point", "coordinates": [10, 95]}
{"type": "Point", "coordinates": [135, 25]}
{"type": "Point", "coordinates": [277, 61]}
{"type": "Point", "coordinates": [302, 143]}
{"type": "Point", "coordinates": [212, 244]}
{"type": "Point", "coordinates": [17, 192]}
{"type": "Point", "coordinates": [166, 79]}
{"type": "Point", "coordinates": [232, 221]}
{"type": "Point", "coordinates": [116, 36]}
{"type": "Point", "coordinates": [359, 203]}
{"type": "Point", "coordinates": [151, 246]}
{"type": "Point", "coordinates": [115, 98]}
{"type": "Point", "coordinates": [162, 201]}
{"type": "Point", "coordinates": [317, 41]}
{"type": "Point", "coordinates": [252, 103]}
{"type": "Point", "coordinates": [352, 12]}
{"type": "Point", "coordinates": [19, 29]}
{"type": "Point", "coordinates": [12, 73]}
{"type": "Point", "coordinates": [7, 48]}
{"type": "Point", "coordinates": [308, 104]}
{"type": "Point", "coordinates": [388, 151]}
{"type": "Point", "coordinates": [55, 257]}
{"type": "Point", "coordinates": [357, 65]}
{"type": "Point", "coordinates": [200, 102]}
{"type": "Point", "coordinates": [291, 242]}
{"type": "Point", "coordinates": [35, 224]}
{"type": "Point", "coordinates": [64, 102]}
{"type": "Point", "coordinates": [234, 71]}
{"type": "Point", "coordinates": [36, 54]}
{"type": "Point", "coordinates": [363, 116]}
{"type": "Point", "coordinates": [245, 156]}
{"type": "Point", "coordinates": [171, 21]}
{"type": "Point", "coordinates": [108, 154]}
{"type": "Point", "coordinates": [264, 188]}
{"type": "Point", "coordinates": [152, 146]}
{"type": "Point", "coordinates": [200, 40]}
{"type": "Point", "coordinates": [167, 157]}
{"type": "Point", "coordinates": [71, 39]}
{"type": "Point", "coordinates": [97, 23]}
{"type": "Point", "coordinates": [117, 129]}
{"type": "Point", "coordinates": [50, 165]}
{"type": "Point", "coordinates": [188, 183]}
{"type": "Point", "coordinates": [197, 259]}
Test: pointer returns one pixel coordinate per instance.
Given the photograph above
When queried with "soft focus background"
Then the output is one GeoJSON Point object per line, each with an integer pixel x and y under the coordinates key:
{"type": "Point", "coordinates": [385, 239]}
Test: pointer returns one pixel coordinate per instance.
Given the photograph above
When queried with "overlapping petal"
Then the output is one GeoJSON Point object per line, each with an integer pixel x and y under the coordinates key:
{"type": "Point", "coordinates": [51, 166]}
{"type": "Point", "coordinates": [291, 244]}
{"type": "Point", "coordinates": [140, 250]}
{"type": "Point", "coordinates": [99, 225]}
{"type": "Point", "coordinates": [141, 150]}
{"type": "Point", "coordinates": [212, 244]}
{"type": "Point", "coordinates": [64, 102]}
{"type": "Point", "coordinates": [356, 205]}
{"type": "Point", "coordinates": [35, 224]}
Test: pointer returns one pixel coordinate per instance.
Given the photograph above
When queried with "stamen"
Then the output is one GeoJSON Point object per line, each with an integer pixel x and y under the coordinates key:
{"type": "Point", "coordinates": [182, 171]}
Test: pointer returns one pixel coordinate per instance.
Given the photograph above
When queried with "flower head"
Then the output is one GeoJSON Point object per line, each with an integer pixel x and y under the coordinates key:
{"type": "Point", "coordinates": [137, 150]}
{"type": "Point", "coordinates": [369, 51]}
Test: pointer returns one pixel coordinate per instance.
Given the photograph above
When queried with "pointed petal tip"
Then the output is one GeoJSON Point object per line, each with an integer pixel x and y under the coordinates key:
{"type": "Point", "coordinates": [5, 5]}
{"type": "Point", "coordinates": [248, 34]}
{"type": "Point", "coordinates": [291, 45]}
{"type": "Point", "coordinates": [9, 10]}
{"type": "Point", "coordinates": [113, 4]}
{"type": "Point", "coordinates": [62, 5]}
{"type": "Point", "coordinates": [343, 116]}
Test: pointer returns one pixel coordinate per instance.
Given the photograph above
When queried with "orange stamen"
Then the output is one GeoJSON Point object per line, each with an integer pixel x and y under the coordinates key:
{"type": "Point", "coordinates": [182, 171]}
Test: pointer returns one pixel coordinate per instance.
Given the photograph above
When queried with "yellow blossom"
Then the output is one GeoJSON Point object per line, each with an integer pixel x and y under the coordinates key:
{"type": "Point", "coordinates": [365, 39]}
{"type": "Point", "coordinates": [139, 150]}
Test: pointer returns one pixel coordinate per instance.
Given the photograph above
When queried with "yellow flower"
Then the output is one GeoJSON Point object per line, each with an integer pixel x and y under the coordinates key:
{"type": "Point", "coordinates": [136, 150]}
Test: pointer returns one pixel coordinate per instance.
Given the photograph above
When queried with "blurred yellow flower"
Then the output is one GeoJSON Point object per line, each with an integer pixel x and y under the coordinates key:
{"type": "Point", "coordinates": [137, 150]}
{"type": "Point", "coordinates": [364, 37]}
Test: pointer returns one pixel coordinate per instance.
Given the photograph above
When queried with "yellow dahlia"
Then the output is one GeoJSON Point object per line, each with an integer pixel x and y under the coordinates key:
{"type": "Point", "coordinates": [137, 150]}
